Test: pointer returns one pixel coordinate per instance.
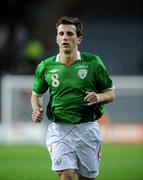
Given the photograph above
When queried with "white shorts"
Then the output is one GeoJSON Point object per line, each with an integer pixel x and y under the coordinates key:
{"type": "Point", "coordinates": [75, 146]}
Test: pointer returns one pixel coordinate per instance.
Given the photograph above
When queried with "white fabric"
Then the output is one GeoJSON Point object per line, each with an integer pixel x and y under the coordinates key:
{"type": "Point", "coordinates": [75, 146]}
{"type": "Point", "coordinates": [78, 56]}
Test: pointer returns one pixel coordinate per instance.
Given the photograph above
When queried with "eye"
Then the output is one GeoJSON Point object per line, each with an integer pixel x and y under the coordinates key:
{"type": "Point", "coordinates": [70, 33]}
{"type": "Point", "coordinates": [61, 33]}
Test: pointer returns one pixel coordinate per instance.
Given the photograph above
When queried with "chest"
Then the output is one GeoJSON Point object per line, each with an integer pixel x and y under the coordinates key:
{"type": "Point", "coordinates": [75, 75]}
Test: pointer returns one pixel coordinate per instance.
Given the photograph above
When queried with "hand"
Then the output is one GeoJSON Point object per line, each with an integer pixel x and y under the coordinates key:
{"type": "Point", "coordinates": [92, 97]}
{"type": "Point", "coordinates": [37, 115]}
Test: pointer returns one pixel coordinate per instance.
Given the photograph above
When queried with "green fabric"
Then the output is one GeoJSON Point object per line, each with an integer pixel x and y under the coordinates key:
{"type": "Point", "coordinates": [68, 85]}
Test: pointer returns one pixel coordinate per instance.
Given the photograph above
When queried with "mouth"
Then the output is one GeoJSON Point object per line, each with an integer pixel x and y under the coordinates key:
{"type": "Point", "coordinates": [65, 44]}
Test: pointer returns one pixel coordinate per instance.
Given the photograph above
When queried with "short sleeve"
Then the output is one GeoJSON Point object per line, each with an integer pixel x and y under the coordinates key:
{"type": "Point", "coordinates": [104, 81]}
{"type": "Point", "coordinates": [40, 86]}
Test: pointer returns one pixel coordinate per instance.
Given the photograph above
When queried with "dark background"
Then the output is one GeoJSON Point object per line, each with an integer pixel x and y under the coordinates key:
{"type": "Point", "coordinates": [113, 29]}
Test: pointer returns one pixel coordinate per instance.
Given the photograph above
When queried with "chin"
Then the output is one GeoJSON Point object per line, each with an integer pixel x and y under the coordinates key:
{"type": "Point", "coordinates": [66, 51]}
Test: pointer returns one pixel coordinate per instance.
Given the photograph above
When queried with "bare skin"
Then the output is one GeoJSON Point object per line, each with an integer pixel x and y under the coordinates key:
{"type": "Point", "coordinates": [68, 42]}
{"type": "Point", "coordinates": [37, 113]}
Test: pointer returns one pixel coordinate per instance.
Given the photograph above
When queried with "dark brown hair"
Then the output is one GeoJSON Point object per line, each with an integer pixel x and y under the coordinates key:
{"type": "Point", "coordinates": [73, 21]}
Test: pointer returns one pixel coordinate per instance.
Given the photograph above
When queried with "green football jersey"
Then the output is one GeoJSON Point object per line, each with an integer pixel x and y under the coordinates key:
{"type": "Point", "coordinates": [68, 84]}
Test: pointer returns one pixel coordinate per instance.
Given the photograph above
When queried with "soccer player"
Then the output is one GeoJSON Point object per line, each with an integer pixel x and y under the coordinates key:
{"type": "Point", "coordinates": [79, 86]}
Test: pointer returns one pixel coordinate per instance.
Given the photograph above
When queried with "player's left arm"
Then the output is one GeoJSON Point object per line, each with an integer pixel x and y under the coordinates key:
{"type": "Point", "coordinates": [105, 97]}
{"type": "Point", "coordinates": [104, 86]}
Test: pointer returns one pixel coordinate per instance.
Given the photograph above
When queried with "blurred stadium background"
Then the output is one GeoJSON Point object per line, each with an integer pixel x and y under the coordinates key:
{"type": "Point", "coordinates": [113, 30]}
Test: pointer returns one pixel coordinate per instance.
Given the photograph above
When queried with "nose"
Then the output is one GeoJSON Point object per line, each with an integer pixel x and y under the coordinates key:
{"type": "Point", "coordinates": [65, 36]}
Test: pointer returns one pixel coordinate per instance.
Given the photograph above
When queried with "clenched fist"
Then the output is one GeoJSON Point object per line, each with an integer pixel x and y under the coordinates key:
{"type": "Point", "coordinates": [92, 98]}
{"type": "Point", "coordinates": [37, 115]}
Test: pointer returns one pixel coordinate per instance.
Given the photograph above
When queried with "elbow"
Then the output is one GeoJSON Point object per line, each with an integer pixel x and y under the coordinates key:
{"type": "Point", "coordinates": [113, 96]}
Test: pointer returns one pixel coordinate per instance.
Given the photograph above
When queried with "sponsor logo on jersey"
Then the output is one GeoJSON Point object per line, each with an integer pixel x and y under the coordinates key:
{"type": "Point", "coordinates": [54, 70]}
{"type": "Point", "coordinates": [82, 73]}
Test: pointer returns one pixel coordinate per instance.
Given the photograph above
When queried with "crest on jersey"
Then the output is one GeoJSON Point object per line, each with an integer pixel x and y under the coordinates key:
{"type": "Point", "coordinates": [82, 73]}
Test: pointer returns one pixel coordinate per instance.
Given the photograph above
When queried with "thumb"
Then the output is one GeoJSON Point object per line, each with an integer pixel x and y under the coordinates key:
{"type": "Point", "coordinates": [41, 109]}
{"type": "Point", "coordinates": [87, 92]}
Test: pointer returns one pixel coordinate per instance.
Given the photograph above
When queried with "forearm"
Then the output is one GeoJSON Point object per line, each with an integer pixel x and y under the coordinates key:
{"type": "Point", "coordinates": [95, 98]}
{"type": "Point", "coordinates": [36, 101]}
{"type": "Point", "coordinates": [37, 113]}
{"type": "Point", "coordinates": [107, 96]}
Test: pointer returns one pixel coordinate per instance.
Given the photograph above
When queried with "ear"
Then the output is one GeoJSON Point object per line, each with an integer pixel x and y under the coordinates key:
{"type": "Point", "coordinates": [79, 40]}
{"type": "Point", "coordinates": [57, 39]}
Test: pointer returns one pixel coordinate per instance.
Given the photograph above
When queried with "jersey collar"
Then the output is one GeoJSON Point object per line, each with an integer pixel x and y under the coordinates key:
{"type": "Point", "coordinates": [78, 57]}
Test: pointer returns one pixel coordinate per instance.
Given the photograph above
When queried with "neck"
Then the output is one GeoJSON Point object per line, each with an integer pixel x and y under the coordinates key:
{"type": "Point", "coordinates": [68, 58]}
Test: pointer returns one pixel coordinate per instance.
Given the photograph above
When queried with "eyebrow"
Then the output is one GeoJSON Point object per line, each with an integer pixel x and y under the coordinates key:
{"type": "Point", "coordinates": [66, 32]}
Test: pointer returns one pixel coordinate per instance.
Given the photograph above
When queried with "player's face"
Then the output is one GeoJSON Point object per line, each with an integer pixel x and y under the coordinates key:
{"type": "Point", "coordinates": [67, 39]}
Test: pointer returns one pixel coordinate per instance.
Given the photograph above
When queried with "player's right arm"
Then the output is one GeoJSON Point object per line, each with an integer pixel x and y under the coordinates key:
{"type": "Point", "coordinates": [40, 86]}
{"type": "Point", "coordinates": [36, 103]}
